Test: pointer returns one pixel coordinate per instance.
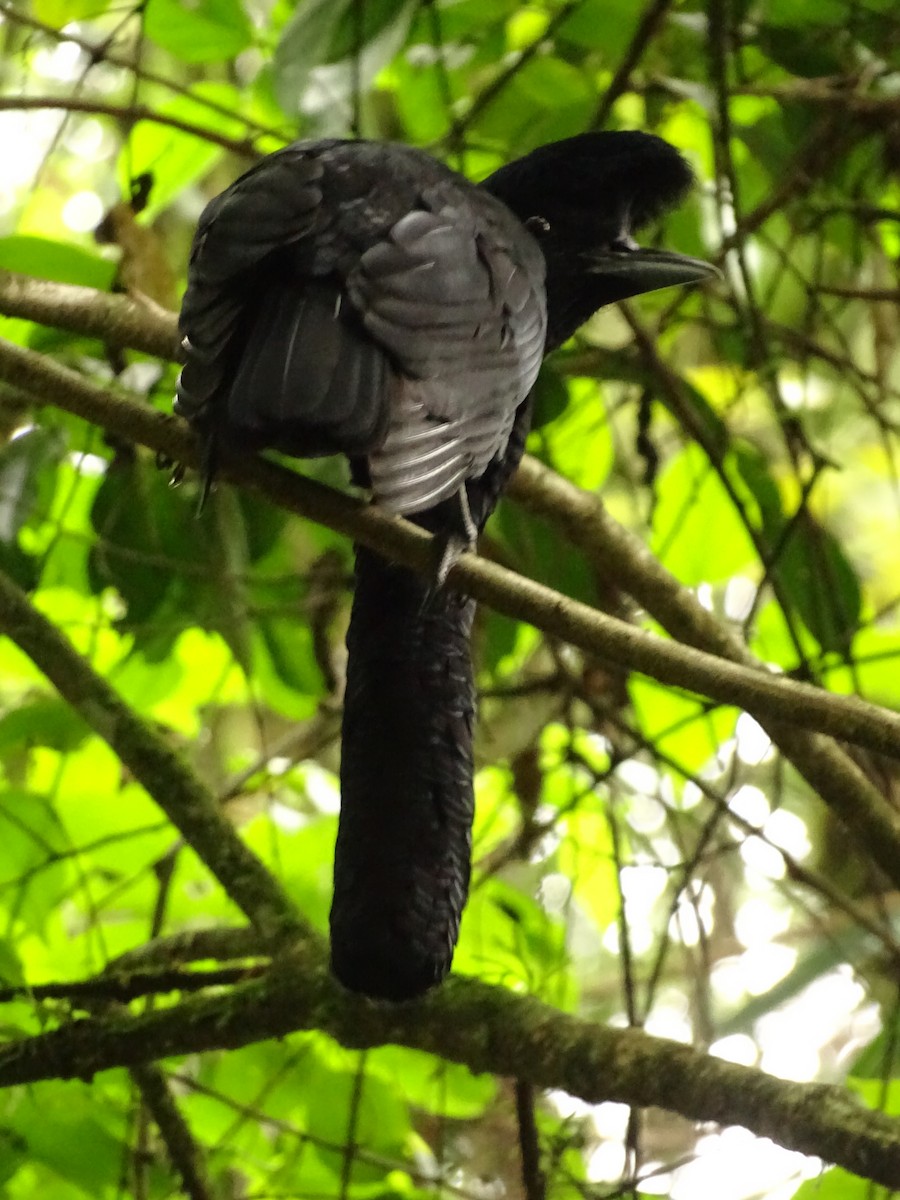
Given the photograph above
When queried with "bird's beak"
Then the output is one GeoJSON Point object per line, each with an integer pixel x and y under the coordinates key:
{"type": "Point", "coordinates": [633, 272]}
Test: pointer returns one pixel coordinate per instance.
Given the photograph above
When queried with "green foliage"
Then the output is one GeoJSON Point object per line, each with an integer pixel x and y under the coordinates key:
{"type": "Point", "coordinates": [208, 31]}
{"type": "Point", "coordinates": [627, 833]}
{"type": "Point", "coordinates": [62, 262]}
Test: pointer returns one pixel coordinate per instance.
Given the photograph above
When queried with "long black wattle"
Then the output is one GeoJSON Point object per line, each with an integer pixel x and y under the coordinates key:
{"type": "Point", "coordinates": [401, 864]}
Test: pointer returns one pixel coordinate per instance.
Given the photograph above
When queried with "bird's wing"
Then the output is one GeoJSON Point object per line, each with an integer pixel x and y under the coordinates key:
{"type": "Point", "coordinates": [363, 299]}
{"type": "Point", "coordinates": [270, 360]}
{"type": "Point", "coordinates": [458, 302]}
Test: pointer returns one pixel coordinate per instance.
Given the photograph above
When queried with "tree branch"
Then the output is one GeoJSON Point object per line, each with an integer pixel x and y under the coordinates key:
{"type": "Point", "coordinates": [487, 1029]}
{"type": "Point", "coordinates": [756, 690]}
{"type": "Point", "coordinates": [184, 1153]}
{"type": "Point", "coordinates": [619, 554]}
{"type": "Point", "coordinates": [188, 804]}
{"type": "Point", "coordinates": [104, 52]}
{"type": "Point", "coordinates": [766, 696]}
{"type": "Point", "coordinates": [225, 943]}
{"type": "Point", "coordinates": [130, 115]}
{"type": "Point", "coordinates": [116, 319]}
{"type": "Point", "coordinates": [483, 1027]}
{"type": "Point", "coordinates": [120, 987]}
{"type": "Point", "coordinates": [831, 772]}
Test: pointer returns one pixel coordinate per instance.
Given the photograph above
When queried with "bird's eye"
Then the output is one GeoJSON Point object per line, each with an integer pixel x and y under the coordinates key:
{"type": "Point", "coordinates": [538, 226]}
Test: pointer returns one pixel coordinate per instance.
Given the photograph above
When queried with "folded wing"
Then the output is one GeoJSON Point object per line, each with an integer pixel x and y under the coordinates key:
{"type": "Point", "coordinates": [363, 299]}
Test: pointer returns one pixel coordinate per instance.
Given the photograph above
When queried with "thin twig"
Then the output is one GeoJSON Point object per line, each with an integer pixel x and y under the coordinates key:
{"type": "Point", "coordinates": [102, 52]}
{"type": "Point", "coordinates": [129, 115]}
{"type": "Point", "coordinates": [534, 1184]}
{"type": "Point", "coordinates": [183, 1151]}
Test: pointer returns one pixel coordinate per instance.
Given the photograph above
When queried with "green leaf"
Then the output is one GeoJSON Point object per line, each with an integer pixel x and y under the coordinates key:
{"type": "Point", "coordinates": [879, 1060]}
{"type": "Point", "coordinates": [604, 25]}
{"type": "Point", "coordinates": [805, 558]}
{"type": "Point", "coordinates": [27, 464]}
{"type": "Point", "coordinates": [432, 1085]}
{"type": "Point", "coordinates": [203, 31]}
{"type": "Point", "coordinates": [176, 159]}
{"type": "Point", "coordinates": [537, 550]}
{"type": "Point", "coordinates": [49, 722]}
{"type": "Point", "coordinates": [551, 397]}
{"type": "Point", "coordinates": [546, 100]}
{"type": "Point", "coordinates": [874, 670]}
{"type": "Point", "coordinates": [680, 725]}
{"type": "Point", "coordinates": [139, 526]}
{"type": "Point", "coordinates": [835, 1185]}
{"type": "Point", "coordinates": [13, 1153]}
{"type": "Point", "coordinates": [11, 972]}
{"type": "Point", "coordinates": [578, 442]}
{"type": "Point", "coordinates": [324, 33]}
{"type": "Point", "coordinates": [289, 647]}
{"type": "Point", "coordinates": [303, 860]}
{"type": "Point", "coordinates": [879, 1094]}
{"type": "Point", "coordinates": [697, 533]}
{"type": "Point", "coordinates": [804, 14]}
{"type": "Point", "coordinates": [60, 1125]}
{"type": "Point", "coordinates": [59, 12]}
{"type": "Point", "coordinates": [586, 858]}
{"type": "Point", "coordinates": [61, 262]}
{"type": "Point", "coordinates": [303, 45]}
{"type": "Point", "coordinates": [357, 26]}
{"type": "Point", "coordinates": [32, 883]}
{"type": "Point", "coordinates": [507, 938]}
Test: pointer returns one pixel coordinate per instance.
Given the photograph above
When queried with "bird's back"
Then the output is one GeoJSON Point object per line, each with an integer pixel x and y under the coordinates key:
{"type": "Point", "coordinates": [363, 298]}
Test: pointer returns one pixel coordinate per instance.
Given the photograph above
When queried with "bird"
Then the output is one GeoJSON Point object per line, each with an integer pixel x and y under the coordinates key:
{"type": "Point", "coordinates": [363, 298]}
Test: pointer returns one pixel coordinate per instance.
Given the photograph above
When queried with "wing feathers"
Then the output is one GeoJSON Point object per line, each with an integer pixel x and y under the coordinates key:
{"type": "Point", "coordinates": [308, 382]}
{"type": "Point", "coordinates": [362, 299]}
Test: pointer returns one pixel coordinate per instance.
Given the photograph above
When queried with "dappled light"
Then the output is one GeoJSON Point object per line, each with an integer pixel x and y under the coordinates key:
{"type": "Point", "coordinates": [686, 846]}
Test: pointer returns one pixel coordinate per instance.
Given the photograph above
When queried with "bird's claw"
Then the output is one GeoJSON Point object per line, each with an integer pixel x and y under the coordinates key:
{"type": "Point", "coordinates": [449, 545]}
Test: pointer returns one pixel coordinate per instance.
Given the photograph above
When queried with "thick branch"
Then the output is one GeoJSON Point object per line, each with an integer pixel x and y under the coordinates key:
{"type": "Point", "coordinates": [118, 320]}
{"type": "Point", "coordinates": [467, 1022]}
{"type": "Point", "coordinates": [489, 1030]}
{"type": "Point", "coordinates": [155, 765]}
{"type": "Point", "coordinates": [623, 557]}
{"type": "Point", "coordinates": [756, 690]}
{"type": "Point", "coordinates": [766, 696]}
{"type": "Point", "coordinates": [832, 773]}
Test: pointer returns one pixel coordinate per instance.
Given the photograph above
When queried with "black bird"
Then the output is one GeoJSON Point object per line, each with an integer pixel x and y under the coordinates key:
{"type": "Point", "coordinates": [362, 298]}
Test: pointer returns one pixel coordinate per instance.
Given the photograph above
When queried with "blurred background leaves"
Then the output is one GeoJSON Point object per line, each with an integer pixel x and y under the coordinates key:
{"type": "Point", "coordinates": [640, 856]}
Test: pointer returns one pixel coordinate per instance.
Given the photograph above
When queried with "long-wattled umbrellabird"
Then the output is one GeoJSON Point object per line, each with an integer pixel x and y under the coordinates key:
{"type": "Point", "coordinates": [362, 298]}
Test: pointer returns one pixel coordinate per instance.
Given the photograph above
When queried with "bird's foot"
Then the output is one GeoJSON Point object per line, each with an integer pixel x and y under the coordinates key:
{"type": "Point", "coordinates": [449, 544]}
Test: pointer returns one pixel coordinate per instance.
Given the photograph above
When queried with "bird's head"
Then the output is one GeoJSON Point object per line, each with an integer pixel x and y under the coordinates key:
{"type": "Point", "coordinates": [585, 199]}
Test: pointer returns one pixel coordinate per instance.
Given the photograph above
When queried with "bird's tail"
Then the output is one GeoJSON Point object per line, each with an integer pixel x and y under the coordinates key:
{"type": "Point", "coordinates": [402, 859]}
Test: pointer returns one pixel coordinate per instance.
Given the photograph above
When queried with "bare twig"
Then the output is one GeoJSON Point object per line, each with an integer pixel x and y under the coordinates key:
{"type": "Point", "coordinates": [647, 26]}
{"type": "Point", "coordinates": [129, 115]}
{"type": "Point", "coordinates": [184, 1153]}
{"type": "Point", "coordinates": [103, 52]}
{"type": "Point", "coordinates": [533, 1183]}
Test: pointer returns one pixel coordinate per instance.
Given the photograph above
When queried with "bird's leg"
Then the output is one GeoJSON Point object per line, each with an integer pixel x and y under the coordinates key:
{"type": "Point", "coordinates": [458, 536]}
